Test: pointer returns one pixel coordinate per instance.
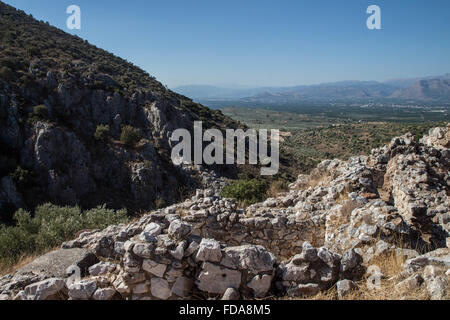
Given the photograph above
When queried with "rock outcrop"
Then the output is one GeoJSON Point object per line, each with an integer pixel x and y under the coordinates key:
{"type": "Point", "coordinates": [70, 167]}
{"type": "Point", "coordinates": [328, 231]}
{"type": "Point", "coordinates": [50, 109]}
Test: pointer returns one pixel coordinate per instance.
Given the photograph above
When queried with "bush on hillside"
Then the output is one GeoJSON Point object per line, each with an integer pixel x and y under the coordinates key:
{"type": "Point", "coordinates": [102, 133]}
{"type": "Point", "coordinates": [246, 191]}
{"type": "Point", "coordinates": [40, 112]}
{"type": "Point", "coordinates": [21, 177]}
{"type": "Point", "coordinates": [130, 136]}
{"type": "Point", "coordinates": [50, 226]}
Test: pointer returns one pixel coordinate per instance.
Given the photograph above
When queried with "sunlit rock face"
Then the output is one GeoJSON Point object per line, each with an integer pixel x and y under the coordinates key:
{"type": "Point", "coordinates": [330, 228]}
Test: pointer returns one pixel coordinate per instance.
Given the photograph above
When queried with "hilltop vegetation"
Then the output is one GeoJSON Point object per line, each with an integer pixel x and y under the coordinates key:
{"type": "Point", "coordinates": [309, 147]}
{"type": "Point", "coordinates": [26, 40]}
{"type": "Point", "coordinates": [48, 227]}
{"type": "Point", "coordinates": [308, 138]}
{"type": "Point", "coordinates": [30, 48]}
{"type": "Point", "coordinates": [81, 126]}
{"type": "Point", "coordinates": [315, 114]}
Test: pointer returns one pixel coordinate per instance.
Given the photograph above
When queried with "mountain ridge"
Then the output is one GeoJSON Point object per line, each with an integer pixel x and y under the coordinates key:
{"type": "Point", "coordinates": [352, 89]}
{"type": "Point", "coordinates": [425, 89]}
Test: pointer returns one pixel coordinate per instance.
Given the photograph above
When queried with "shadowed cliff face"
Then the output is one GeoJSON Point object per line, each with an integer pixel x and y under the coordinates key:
{"type": "Point", "coordinates": [79, 87]}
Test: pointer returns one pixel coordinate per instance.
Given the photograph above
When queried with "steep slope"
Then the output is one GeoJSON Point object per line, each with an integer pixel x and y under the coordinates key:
{"type": "Point", "coordinates": [55, 91]}
{"type": "Point", "coordinates": [345, 224]}
{"type": "Point", "coordinates": [408, 82]}
{"type": "Point", "coordinates": [425, 90]}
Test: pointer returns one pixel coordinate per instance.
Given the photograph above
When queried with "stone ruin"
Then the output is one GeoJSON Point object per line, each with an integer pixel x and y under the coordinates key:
{"type": "Point", "coordinates": [325, 232]}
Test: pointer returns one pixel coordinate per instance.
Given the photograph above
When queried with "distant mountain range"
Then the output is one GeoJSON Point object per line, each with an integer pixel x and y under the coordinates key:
{"type": "Point", "coordinates": [213, 92]}
{"type": "Point", "coordinates": [427, 88]}
{"type": "Point", "coordinates": [404, 83]}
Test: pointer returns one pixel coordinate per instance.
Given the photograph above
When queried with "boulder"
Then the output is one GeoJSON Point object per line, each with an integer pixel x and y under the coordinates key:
{"type": "Point", "coordinates": [351, 265]}
{"type": "Point", "coordinates": [209, 250]}
{"type": "Point", "coordinates": [304, 290]}
{"type": "Point", "coordinates": [183, 286]}
{"type": "Point", "coordinates": [231, 294]}
{"type": "Point", "coordinates": [253, 259]}
{"type": "Point", "coordinates": [156, 269]}
{"type": "Point", "coordinates": [179, 230]}
{"type": "Point", "coordinates": [216, 279]}
{"type": "Point", "coordinates": [260, 285]}
{"type": "Point", "coordinates": [82, 290]}
{"type": "Point", "coordinates": [104, 294]}
{"type": "Point", "coordinates": [46, 289]}
{"type": "Point", "coordinates": [160, 288]}
{"type": "Point", "coordinates": [56, 263]}
{"type": "Point", "coordinates": [102, 268]}
{"type": "Point", "coordinates": [344, 287]}
{"type": "Point", "coordinates": [410, 284]}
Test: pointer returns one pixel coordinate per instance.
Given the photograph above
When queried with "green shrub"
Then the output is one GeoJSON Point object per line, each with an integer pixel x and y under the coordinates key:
{"type": "Point", "coordinates": [129, 136]}
{"type": "Point", "coordinates": [102, 133]}
{"type": "Point", "coordinates": [6, 74]}
{"type": "Point", "coordinates": [246, 191]}
{"type": "Point", "coordinates": [100, 218]}
{"type": "Point", "coordinates": [50, 226]}
{"type": "Point", "coordinates": [99, 85]}
{"type": "Point", "coordinates": [41, 112]}
{"type": "Point", "coordinates": [147, 164]}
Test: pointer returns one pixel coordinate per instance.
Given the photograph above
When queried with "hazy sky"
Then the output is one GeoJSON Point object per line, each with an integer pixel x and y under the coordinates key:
{"type": "Point", "coordinates": [263, 43]}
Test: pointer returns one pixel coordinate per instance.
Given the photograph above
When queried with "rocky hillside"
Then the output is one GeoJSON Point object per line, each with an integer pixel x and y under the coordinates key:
{"type": "Point", "coordinates": [425, 89]}
{"type": "Point", "coordinates": [64, 105]}
{"type": "Point", "coordinates": [374, 226]}
{"type": "Point", "coordinates": [418, 89]}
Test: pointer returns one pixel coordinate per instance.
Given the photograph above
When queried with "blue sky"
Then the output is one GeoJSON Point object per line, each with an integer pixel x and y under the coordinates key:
{"type": "Point", "coordinates": [261, 42]}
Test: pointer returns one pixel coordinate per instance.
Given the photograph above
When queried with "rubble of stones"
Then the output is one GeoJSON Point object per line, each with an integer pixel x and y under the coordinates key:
{"type": "Point", "coordinates": [327, 231]}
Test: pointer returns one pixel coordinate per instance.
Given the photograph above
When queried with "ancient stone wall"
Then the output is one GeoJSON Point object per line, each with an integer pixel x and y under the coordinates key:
{"type": "Point", "coordinates": [307, 240]}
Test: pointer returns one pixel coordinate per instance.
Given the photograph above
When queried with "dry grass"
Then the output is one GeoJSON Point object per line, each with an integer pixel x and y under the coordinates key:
{"type": "Point", "coordinates": [182, 212]}
{"type": "Point", "coordinates": [315, 179]}
{"type": "Point", "coordinates": [348, 206]}
{"type": "Point", "coordinates": [385, 195]}
{"type": "Point", "coordinates": [276, 188]}
{"type": "Point", "coordinates": [391, 266]}
{"type": "Point", "coordinates": [23, 261]}
{"type": "Point", "coordinates": [7, 269]}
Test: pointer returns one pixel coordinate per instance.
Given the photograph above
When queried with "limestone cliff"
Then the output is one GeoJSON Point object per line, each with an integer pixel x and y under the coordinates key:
{"type": "Point", "coordinates": [55, 90]}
